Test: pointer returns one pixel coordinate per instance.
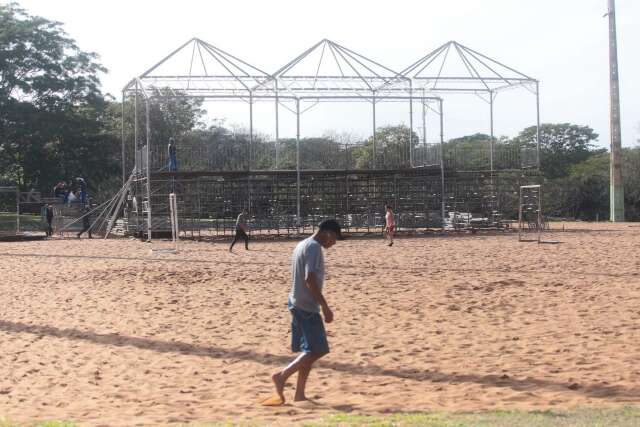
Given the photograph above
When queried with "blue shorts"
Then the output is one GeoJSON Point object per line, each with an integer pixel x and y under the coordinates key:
{"type": "Point", "coordinates": [307, 332]}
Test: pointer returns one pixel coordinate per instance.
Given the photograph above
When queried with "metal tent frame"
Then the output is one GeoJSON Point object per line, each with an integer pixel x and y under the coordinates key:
{"type": "Point", "coordinates": [208, 72]}
{"type": "Point", "coordinates": [478, 74]}
{"type": "Point", "coordinates": [326, 72]}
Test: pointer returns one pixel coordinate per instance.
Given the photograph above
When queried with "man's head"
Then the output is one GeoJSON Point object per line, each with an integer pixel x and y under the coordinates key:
{"type": "Point", "coordinates": [328, 232]}
{"type": "Point", "coordinates": [387, 207]}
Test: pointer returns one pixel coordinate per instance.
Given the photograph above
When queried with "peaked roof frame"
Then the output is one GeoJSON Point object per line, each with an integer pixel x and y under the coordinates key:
{"type": "Point", "coordinates": [235, 78]}
{"type": "Point", "coordinates": [357, 77]}
{"type": "Point", "coordinates": [354, 75]}
{"type": "Point", "coordinates": [481, 74]}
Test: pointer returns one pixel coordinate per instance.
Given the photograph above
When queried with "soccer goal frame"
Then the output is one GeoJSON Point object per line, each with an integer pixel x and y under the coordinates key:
{"type": "Point", "coordinates": [525, 206]}
{"type": "Point", "coordinates": [175, 229]}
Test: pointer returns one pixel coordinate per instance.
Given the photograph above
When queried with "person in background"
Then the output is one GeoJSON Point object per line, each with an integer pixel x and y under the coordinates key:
{"type": "Point", "coordinates": [60, 190]}
{"type": "Point", "coordinates": [83, 189]}
{"type": "Point", "coordinates": [173, 155]}
{"type": "Point", "coordinates": [72, 197]}
{"type": "Point", "coordinates": [390, 224]}
{"type": "Point", "coordinates": [49, 218]}
{"type": "Point", "coordinates": [241, 230]}
{"type": "Point", "coordinates": [86, 222]}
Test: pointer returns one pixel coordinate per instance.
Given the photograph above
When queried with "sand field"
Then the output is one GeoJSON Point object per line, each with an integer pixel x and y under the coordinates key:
{"type": "Point", "coordinates": [103, 333]}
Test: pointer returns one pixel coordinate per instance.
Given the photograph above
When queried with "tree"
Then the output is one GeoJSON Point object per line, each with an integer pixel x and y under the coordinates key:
{"type": "Point", "coordinates": [315, 153]}
{"type": "Point", "coordinates": [392, 148]}
{"type": "Point", "coordinates": [631, 179]}
{"type": "Point", "coordinates": [469, 152]}
{"type": "Point", "coordinates": [50, 102]}
{"type": "Point", "coordinates": [170, 116]}
{"type": "Point", "coordinates": [589, 183]}
{"type": "Point", "coordinates": [561, 146]}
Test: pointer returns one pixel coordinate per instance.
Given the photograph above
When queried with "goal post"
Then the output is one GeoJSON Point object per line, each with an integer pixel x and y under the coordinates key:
{"type": "Point", "coordinates": [174, 226]}
{"type": "Point", "coordinates": [173, 213]}
{"type": "Point", "coordinates": [530, 211]}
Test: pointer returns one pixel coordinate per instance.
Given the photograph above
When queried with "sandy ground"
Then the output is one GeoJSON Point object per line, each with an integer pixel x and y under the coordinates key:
{"type": "Point", "coordinates": [103, 333]}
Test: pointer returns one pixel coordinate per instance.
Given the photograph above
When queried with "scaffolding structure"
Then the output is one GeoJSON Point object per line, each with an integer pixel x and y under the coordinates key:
{"type": "Point", "coordinates": [214, 183]}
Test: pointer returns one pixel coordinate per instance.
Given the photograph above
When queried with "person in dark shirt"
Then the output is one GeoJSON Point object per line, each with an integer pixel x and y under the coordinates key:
{"type": "Point", "coordinates": [86, 223]}
{"type": "Point", "coordinates": [83, 189]}
{"type": "Point", "coordinates": [60, 190]}
{"type": "Point", "coordinates": [49, 217]}
{"type": "Point", "coordinates": [241, 230]}
{"type": "Point", "coordinates": [173, 156]}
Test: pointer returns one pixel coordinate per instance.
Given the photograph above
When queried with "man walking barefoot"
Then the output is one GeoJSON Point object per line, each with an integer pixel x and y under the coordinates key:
{"type": "Point", "coordinates": [308, 335]}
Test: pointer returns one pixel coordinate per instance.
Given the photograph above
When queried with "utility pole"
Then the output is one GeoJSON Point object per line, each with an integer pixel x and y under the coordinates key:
{"type": "Point", "coordinates": [616, 203]}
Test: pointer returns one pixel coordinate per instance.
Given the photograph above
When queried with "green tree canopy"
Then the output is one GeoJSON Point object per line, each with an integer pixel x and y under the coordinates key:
{"type": "Point", "coordinates": [561, 146]}
{"type": "Point", "coordinates": [50, 104]}
{"type": "Point", "coordinates": [392, 148]}
{"type": "Point", "coordinates": [41, 65]}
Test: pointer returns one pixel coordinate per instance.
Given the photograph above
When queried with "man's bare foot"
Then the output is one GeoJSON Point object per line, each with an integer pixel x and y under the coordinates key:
{"type": "Point", "coordinates": [299, 398]}
{"type": "Point", "coordinates": [278, 381]}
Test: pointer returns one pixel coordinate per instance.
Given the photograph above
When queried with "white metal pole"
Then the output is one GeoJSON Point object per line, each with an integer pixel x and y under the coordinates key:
{"type": "Point", "coordinates": [148, 165]}
{"type": "Point", "coordinates": [277, 124]}
{"type": "Point", "coordinates": [250, 130]}
{"type": "Point", "coordinates": [540, 220]}
{"type": "Point", "coordinates": [298, 161]}
{"type": "Point", "coordinates": [424, 120]}
{"type": "Point", "coordinates": [410, 124]}
{"type": "Point", "coordinates": [537, 125]}
{"type": "Point", "coordinates": [491, 131]}
{"type": "Point", "coordinates": [442, 196]}
{"type": "Point", "coordinates": [17, 209]}
{"type": "Point", "coordinates": [124, 178]}
{"type": "Point", "coordinates": [250, 151]}
{"type": "Point", "coordinates": [172, 218]}
{"type": "Point", "coordinates": [520, 215]}
{"type": "Point", "coordinates": [135, 130]}
{"type": "Point", "coordinates": [173, 207]}
{"type": "Point", "coordinates": [373, 102]}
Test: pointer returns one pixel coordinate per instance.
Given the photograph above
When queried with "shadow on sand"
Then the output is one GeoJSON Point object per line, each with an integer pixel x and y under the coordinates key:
{"type": "Point", "coordinates": [591, 390]}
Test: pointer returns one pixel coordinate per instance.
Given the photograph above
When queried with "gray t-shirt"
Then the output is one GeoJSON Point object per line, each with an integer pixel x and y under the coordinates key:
{"type": "Point", "coordinates": [307, 257]}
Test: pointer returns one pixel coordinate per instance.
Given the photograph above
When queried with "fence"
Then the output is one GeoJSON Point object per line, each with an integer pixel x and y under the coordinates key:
{"type": "Point", "coordinates": [195, 155]}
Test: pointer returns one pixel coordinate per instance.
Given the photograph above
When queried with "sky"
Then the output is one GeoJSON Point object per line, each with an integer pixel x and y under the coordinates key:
{"type": "Point", "coordinates": [562, 43]}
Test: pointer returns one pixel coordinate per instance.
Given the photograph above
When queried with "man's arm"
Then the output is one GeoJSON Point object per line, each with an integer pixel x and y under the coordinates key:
{"type": "Point", "coordinates": [312, 285]}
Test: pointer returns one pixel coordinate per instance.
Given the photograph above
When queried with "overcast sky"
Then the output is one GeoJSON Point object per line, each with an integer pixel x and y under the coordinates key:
{"type": "Point", "coordinates": [563, 43]}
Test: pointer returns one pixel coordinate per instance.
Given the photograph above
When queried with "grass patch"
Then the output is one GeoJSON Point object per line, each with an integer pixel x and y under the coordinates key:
{"type": "Point", "coordinates": [620, 417]}
{"type": "Point", "coordinates": [587, 417]}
